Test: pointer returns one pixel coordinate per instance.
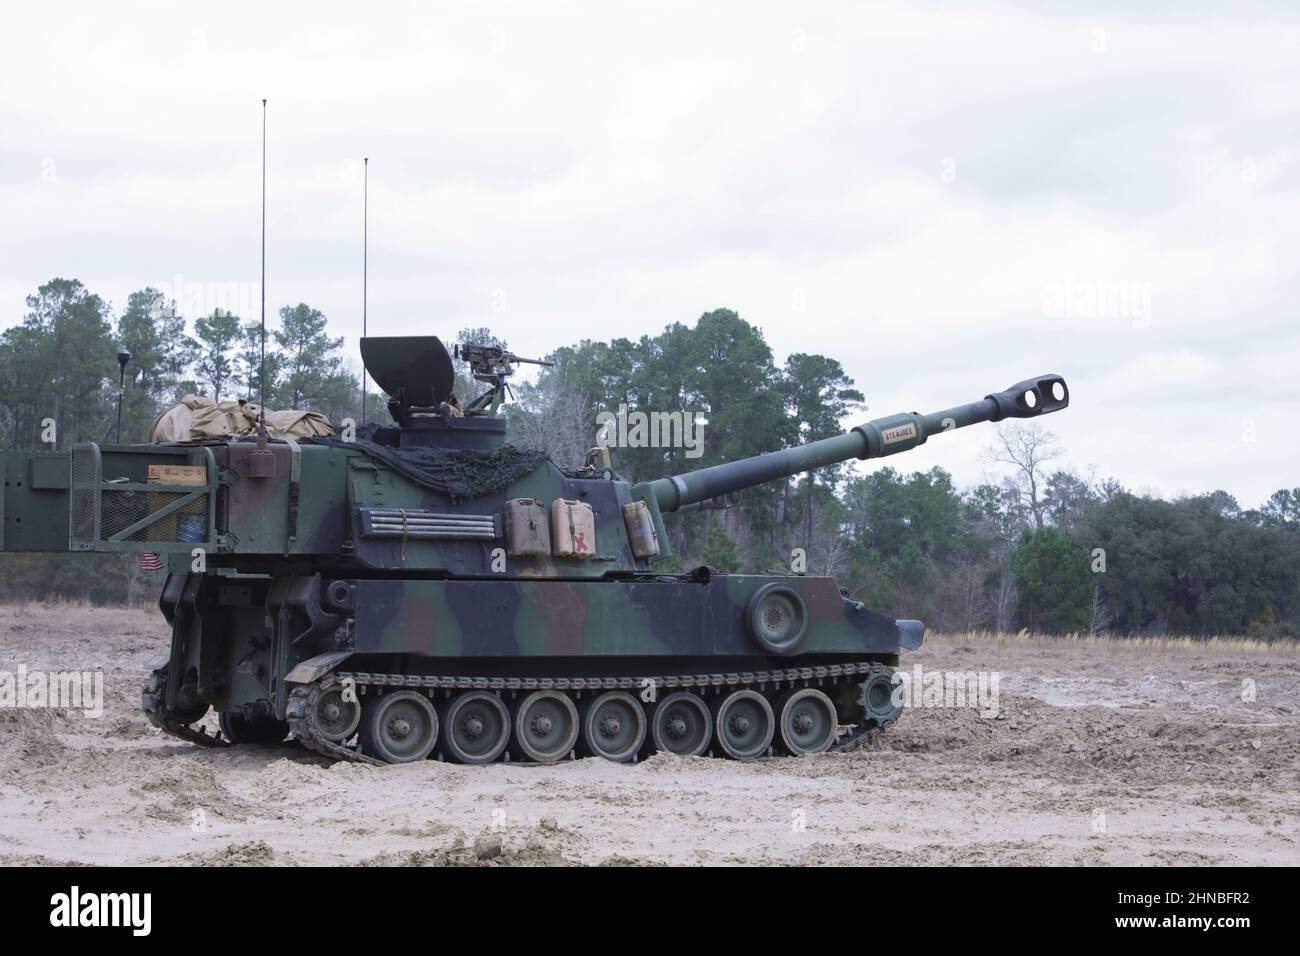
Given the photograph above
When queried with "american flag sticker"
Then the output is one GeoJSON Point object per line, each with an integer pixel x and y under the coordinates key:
{"type": "Point", "coordinates": [149, 561]}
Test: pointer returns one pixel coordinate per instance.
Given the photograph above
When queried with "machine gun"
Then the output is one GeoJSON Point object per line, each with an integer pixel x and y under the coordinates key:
{"type": "Point", "coordinates": [491, 364]}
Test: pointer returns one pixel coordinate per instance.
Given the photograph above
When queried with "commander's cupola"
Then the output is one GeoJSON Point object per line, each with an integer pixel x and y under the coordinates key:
{"type": "Point", "coordinates": [416, 373]}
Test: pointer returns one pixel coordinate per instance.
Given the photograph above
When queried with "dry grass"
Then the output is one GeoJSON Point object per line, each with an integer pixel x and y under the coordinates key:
{"type": "Point", "coordinates": [80, 617]}
{"type": "Point", "coordinates": [62, 606]}
{"type": "Point", "coordinates": [1166, 645]}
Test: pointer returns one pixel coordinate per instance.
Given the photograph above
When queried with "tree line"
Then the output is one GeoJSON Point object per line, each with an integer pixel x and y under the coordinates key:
{"type": "Point", "coordinates": [59, 364]}
{"type": "Point", "coordinates": [1041, 548]}
{"type": "Point", "coordinates": [60, 379]}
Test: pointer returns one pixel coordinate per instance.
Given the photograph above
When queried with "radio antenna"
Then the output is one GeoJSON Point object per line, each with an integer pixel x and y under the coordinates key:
{"type": "Point", "coordinates": [261, 412]}
{"type": "Point", "coordinates": [365, 251]}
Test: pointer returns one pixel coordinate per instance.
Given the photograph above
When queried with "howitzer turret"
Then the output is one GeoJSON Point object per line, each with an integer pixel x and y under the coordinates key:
{"type": "Point", "coordinates": [429, 588]}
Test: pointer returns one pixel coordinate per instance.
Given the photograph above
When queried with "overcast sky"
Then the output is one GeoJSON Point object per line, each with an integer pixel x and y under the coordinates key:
{"type": "Point", "coordinates": [947, 198]}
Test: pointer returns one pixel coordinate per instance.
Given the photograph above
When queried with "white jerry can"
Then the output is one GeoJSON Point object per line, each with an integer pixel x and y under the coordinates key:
{"type": "Point", "coordinates": [573, 529]}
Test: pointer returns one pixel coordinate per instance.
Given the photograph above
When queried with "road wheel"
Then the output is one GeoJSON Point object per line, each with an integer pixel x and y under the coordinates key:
{"type": "Point", "coordinates": [743, 724]}
{"type": "Point", "coordinates": [475, 727]}
{"type": "Point", "coordinates": [681, 724]}
{"type": "Point", "coordinates": [398, 727]}
{"type": "Point", "coordinates": [545, 726]}
{"type": "Point", "coordinates": [613, 726]}
{"type": "Point", "coordinates": [806, 721]}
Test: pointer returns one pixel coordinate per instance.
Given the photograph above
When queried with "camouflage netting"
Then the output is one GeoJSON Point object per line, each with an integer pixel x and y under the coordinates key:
{"type": "Point", "coordinates": [461, 473]}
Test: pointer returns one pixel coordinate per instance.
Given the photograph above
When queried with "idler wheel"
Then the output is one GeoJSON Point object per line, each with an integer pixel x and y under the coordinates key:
{"type": "Point", "coordinates": [399, 727]}
{"type": "Point", "coordinates": [613, 726]}
{"type": "Point", "coordinates": [545, 726]}
{"type": "Point", "coordinates": [807, 722]}
{"type": "Point", "coordinates": [475, 727]}
{"type": "Point", "coordinates": [743, 724]}
{"type": "Point", "coordinates": [238, 729]}
{"type": "Point", "coordinates": [681, 724]}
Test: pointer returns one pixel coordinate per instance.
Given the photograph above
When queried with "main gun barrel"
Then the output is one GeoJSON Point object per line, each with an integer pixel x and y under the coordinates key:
{"type": "Point", "coordinates": [875, 439]}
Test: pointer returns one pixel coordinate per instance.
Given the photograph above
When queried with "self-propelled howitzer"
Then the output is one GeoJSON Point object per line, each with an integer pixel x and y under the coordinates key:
{"type": "Point", "coordinates": [430, 589]}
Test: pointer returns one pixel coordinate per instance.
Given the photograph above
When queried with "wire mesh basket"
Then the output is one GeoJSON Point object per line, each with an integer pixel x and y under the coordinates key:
{"type": "Point", "coordinates": [123, 498]}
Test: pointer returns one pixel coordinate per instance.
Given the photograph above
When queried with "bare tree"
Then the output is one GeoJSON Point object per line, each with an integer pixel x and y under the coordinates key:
{"type": "Point", "coordinates": [829, 545]}
{"type": "Point", "coordinates": [1102, 616]}
{"type": "Point", "coordinates": [1006, 598]}
{"type": "Point", "coordinates": [1027, 449]}
{"type": "Point", "coordinates": [970, 601]}
{"type": "Point", "coordinates": [554, 418]}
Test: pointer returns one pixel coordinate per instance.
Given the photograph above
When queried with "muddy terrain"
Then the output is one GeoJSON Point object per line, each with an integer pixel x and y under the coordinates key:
{"type": "Point", "coordinates": [1100, 753]}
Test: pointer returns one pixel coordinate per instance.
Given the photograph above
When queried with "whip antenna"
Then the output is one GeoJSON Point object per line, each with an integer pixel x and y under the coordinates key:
{"type": "Point", "coordinates": [261, 412]}
{"type": "Point", "coordinates": [365, 247]}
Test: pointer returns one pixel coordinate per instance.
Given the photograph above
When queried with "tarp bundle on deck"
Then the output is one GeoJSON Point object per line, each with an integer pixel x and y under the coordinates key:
{"type": "Point", "coordinates": [197, 418]}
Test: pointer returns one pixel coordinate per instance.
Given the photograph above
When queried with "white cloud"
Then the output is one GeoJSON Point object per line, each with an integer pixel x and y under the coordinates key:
{"type": "Point", "coordinates": [947, 198]}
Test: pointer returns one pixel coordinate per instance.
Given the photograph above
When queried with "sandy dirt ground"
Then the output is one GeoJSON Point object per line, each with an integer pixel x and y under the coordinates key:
{"type": "Point", "coordinates": [1100, 754]}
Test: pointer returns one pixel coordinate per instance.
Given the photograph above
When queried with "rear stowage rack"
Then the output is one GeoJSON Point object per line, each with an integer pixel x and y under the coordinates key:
{"type": "Point", "coordinates": [151, 498]}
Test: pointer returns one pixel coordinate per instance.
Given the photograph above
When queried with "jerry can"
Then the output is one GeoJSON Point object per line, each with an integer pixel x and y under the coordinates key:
{"type": "Point", "coordinates": [641, 529]}
{"type": "Point", "coordinates": [528, 533]}
{"type": "Point", "coordinates": [573, 529]}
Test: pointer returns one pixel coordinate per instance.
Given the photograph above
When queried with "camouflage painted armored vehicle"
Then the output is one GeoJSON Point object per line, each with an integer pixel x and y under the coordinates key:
{"type": "Point", "coordinates": [430, 589]}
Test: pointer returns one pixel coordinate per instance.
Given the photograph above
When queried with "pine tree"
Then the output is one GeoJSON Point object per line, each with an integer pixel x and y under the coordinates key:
{"type": "Point", "coordinates": [161, 354]}
{"type": "Point", "coordinates": [216, 338]}
{"type": "Point", "coordinates": [720, 552]}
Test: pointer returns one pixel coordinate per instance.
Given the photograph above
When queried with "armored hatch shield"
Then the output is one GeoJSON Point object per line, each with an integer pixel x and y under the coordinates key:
{"type": "Point", "coordinates": [415, 369]}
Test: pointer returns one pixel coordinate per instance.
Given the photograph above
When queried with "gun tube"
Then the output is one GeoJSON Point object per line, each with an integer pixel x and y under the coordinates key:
{"type": "Point", "coordinates": [876, 439]}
